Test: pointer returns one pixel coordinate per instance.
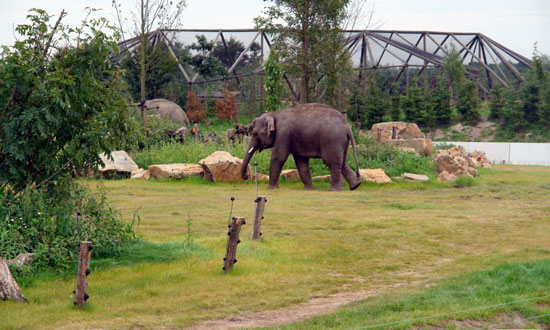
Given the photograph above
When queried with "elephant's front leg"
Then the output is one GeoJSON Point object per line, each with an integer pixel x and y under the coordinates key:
{"type": "Point", "coordinates": [302, 164]}
{"type": "Point", "coordinates": [278, 159]}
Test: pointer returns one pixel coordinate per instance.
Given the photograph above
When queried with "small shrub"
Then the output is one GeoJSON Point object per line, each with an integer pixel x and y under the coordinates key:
{"type": "Point", "coordinates": [226, 108]}
{"type": "Point", "coordinates": [464, 181]}
{"type": "Point", "coordinates": [44, 222]}
{"type": "Point", "coordinates": [195, 111]}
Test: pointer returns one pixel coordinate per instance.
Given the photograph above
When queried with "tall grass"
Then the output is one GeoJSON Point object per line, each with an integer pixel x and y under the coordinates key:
{"type": "Point", "coordinates": [370, 155]}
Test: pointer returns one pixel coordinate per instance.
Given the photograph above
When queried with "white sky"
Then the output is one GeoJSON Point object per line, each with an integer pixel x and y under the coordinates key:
{"type": "Point", "coordinates": [517, 24]}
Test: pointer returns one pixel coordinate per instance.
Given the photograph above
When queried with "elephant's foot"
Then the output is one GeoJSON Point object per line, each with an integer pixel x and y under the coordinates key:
{"type": "Point", "coordinates": [309, 187]}
{"type": "Point", "coordinates": [272, 186]}
{"type": "Point", "coordinates": [355, 185]}
{"type": "Point", "coordinates": [336, 188]}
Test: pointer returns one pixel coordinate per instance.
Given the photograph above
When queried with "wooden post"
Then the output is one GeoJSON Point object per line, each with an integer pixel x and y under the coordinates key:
{"type": "Point", "coordinates": [8, 287]}
{"type": "Point", "coordinates": [258, 217]}
{"type": "Point", "coordinates": [84, 251]}
{"type": "Point", "coordinates": [234, 230]}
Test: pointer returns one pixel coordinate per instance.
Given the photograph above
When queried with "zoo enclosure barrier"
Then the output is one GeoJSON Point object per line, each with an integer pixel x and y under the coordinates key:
{"type": "Point", "coordinates": [515, 153]}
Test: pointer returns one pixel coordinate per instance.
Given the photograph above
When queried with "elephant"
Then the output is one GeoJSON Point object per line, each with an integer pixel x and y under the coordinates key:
{"type": "Point", "coordinates": [167, 109]}
{"type": "Point", "coordinates": [306, 131]}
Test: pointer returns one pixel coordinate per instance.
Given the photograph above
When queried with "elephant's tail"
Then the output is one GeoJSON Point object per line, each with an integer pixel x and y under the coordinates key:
{"type": "Point", "coordinates": [352, 139]}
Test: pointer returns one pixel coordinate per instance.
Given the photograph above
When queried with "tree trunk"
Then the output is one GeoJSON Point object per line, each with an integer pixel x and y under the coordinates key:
{"type": "Point", "coordinates": [304, 92]}
{"type": "Point", "coordinates": [142, 65]}
{"type": "Point", "coordinates": [8, 287]}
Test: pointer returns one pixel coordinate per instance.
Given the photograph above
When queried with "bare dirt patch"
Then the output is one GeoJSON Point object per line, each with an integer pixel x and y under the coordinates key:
{"type": "Point", "coordinates": [484, 131]}
{"type": "Point", "coordinates": [314, 307]}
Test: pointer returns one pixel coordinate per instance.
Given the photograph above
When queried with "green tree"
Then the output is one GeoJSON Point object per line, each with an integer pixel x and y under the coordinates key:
{"type": "Point", "coordinates": [59, 112]}
{"type": "Point", "coordinates": [165, 69]}
{"type": "Point", "coordinates": [375, 105]}
{"type": "Point", "coordinates": [272, 83]}
{"type": "Point", "coordinates": [206, 66]}
{"type": "Point", "coordinates": [453, 69]}
{"type": "Point", "coordinates": [513, 118]}
{"type": "Point", "coordinates": [468, 103]}
{"type": "Point", "coordinates": [531, 92]}
{"type": "Point", "coordinates": [413, 104]}
{"type": "Point", "coordinates": [148, 16]}
{"type": "Point", "coordinates": [441, 103]}
{"type": "Point", "coordinates": [497, 103]}
{"type": "Point", "coordinates": [357, 105]}
{"type": "Point", "coordinates": [395, 104]}
{"type": "Point", "coordinates": [307, 36]}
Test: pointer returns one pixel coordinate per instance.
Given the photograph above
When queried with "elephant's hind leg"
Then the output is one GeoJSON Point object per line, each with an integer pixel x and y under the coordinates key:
{"type": "Point", "coordinates": [335, 178]}
{"type": "Point", "coordinates": [302, 164]}
{"type": "Point", "coordinates": [351, 177]}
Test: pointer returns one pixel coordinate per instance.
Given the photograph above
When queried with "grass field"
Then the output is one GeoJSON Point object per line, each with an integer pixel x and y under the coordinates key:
{"type": "Point", "coordinates": [415, 249]}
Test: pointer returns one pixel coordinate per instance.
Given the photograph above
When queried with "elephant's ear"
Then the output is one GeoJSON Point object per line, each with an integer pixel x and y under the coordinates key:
{"type": "Point", "coordinates": [270, 125]}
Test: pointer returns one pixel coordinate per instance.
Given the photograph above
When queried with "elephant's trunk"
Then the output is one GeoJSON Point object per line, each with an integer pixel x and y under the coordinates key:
{"type": "Point", "coordinates": [249, 153]}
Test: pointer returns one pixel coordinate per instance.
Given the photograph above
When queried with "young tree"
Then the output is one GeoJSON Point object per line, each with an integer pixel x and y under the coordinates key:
{"type": "Point", "coordinates": [413, 104]}
{"type": "Point", "coordinates": [441, 103]}
{"type": "Point", "coordinates": [453, 69]}
{"type": "Point", "coordinates": [395, 104]}
{"type": "Point", "coordinates": [375, 105]}
{"type": "Point", "coordinates": [59, 111]}
{"type": "Point", "coordinates": [468, 103]}
{"type": "Point", "coordinates": [357, 106]}
{"type": "Point", "coordinates": [272, 83]}
{"type": "Point", "coordinates": [308, 37]}
{"type": "Point", "coordinates": [497, 103]}
{"type": "Point", "coordinates": [147, 16]}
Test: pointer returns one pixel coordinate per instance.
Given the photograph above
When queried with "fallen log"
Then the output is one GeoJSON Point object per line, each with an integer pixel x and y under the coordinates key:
{"type": "Point", "coordinates": [9, 290]}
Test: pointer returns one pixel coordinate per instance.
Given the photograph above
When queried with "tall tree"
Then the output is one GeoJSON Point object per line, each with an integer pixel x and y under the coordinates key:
{"type": "Point", "coordinates": [308, 37]}
{"type": "Point", "coordinates": [453, 69]}
{"type": "Point", "coordinates": [147, 16]}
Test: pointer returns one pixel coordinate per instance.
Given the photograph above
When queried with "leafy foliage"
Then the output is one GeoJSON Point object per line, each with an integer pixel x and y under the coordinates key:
{"type": "Point", "coordinates": [44, 222]}
{"type": "Point", "coordinates": [272, 82]}
{"type": "Point", "coordinates": [468, 103]}
{"type": "Point", "coordinates": [307, 36]}
{"type": "Point", "coordinates": [59, 112]}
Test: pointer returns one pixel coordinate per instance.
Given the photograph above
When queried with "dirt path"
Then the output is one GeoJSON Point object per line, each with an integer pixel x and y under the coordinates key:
{"type": "Point", "coordinates": [314, 307]}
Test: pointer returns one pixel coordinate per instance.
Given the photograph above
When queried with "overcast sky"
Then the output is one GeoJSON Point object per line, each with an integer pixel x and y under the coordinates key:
{"type": "Point", "coordinates": [517, 24]}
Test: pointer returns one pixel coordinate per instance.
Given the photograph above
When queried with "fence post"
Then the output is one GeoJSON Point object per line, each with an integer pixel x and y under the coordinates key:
{"type": "Point", "coordinates": [84, 251]}
{"type": "Point", "coordinates": [232, 241]}
{"type": "Point", "coordinates": [258, 217]}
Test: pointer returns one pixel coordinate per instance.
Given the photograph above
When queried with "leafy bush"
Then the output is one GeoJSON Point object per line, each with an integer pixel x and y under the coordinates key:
{"type": "Point", "coordinates": [59, 112]}
{"type": "Point", "coordinates": [44, 222]}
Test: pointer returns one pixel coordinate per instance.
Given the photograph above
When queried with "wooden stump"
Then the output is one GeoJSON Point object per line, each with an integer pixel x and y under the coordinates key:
{"type": "Point", "coordinates": [258, 217]}
{"type": "Point", "coordinates": [230, 256]}
{"type": "Point", "coordinates": [8, 287]}
{"type": "Point", "coordinates": [81, 295]}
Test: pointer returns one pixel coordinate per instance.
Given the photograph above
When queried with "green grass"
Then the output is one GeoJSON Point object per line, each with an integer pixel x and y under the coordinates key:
{"type": "Point", "coordinates": [395, 240]}
{"type": "Point", "coordinates": [470, 301]}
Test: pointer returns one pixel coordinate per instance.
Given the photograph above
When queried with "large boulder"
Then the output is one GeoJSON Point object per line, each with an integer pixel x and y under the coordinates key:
{"type": "Point", "coordinates": [446, 177]}
{"type": "Point", "coordinates": [176, 171]}
{"type": "Point", "coordinates": [420, 145]}
{"type": "Point", "coordinates": [221, 166]}
{"type": "Point", "coordinates": [290, 174]}
{"type": "Point", "coordinates": [395, 130]}
{"type": "Point", "coordinates": [141, 174]}
{"type": "Point", "coordinates": [452, 166]}
{"type": "Point", "coordinates": [416, 177]}
{"type": "Point", "coordinates": [167, 109]}
{"type": "Point", "coordinates": [375, 175]}
{"type": "Point", "coordinates": [121, 164]}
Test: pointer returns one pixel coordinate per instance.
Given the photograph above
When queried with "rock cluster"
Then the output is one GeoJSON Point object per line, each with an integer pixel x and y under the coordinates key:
{"type": "Point", "coordinates": [456, 162]}
{"type": "Point", "coordinates": [406, 136]}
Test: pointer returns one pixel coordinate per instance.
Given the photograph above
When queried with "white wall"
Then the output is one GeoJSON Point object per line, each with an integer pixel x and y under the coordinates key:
{"type": "Point", "coordinates": [509, 152]}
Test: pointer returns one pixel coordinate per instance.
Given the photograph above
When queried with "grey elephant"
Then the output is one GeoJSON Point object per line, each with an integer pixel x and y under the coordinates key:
{"type": "Point", "coordinates": [167, 109]}
{"type": "Point", "coordinates": [306, 131]}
